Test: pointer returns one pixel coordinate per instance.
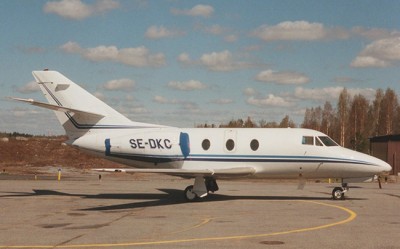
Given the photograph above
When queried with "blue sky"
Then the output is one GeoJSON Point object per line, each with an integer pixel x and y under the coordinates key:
{"type": "Point", "coordinates": [183, 63]}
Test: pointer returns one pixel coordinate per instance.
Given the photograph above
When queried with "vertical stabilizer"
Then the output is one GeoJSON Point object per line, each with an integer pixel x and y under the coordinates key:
{"type": "Point", "coordinates": [62, 92]}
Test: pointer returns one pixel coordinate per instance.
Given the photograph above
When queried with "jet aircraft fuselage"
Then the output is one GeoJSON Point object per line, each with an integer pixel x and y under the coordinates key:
{"type": "Point", "coordinates": [205, 154]}
{"type": "Point", "coordinates": [270, 153]}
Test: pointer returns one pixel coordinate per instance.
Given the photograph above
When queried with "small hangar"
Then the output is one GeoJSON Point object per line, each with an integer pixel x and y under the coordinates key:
{"type": "Point", "coordinates": [387, 148]}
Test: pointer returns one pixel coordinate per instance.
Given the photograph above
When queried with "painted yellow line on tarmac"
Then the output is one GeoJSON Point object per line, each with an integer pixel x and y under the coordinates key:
{"type": "Point", "coordinates": [205, 221]}
{"type": "Point", "coordinates": [351, 213]}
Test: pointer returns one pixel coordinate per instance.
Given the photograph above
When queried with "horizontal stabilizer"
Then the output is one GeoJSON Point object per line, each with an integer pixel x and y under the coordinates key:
{"type": "Point", "coordinates": [232, 172]}
{"type": "Point", "coordinates": [57, 108]}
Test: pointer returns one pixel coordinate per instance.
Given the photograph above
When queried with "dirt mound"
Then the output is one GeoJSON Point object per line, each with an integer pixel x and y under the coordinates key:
{"type": "Point", "coordinates": [25, 155]}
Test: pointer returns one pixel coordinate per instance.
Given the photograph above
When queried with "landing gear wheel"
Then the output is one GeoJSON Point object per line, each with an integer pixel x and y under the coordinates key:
{"type": "Point", "coordinates": [189, 194]}
{"type": "Point", "coordinates": [337, 194]}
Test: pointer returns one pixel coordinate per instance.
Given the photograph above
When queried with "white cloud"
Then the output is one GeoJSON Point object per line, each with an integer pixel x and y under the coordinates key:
{"type": "Point", "coordinates": [285, 78]}
{"type": "Point", "coordinates": [137, 57]}
{"type": "Point", "coordinates": [218, 30]}
{"type": "Point", "coordinates": [77, 10]}
{"type": "Point", "coordinates": [215, 29]}
{"type": "Point", "coordinates": [215, 61]}
{"type": "Point", "coordinates": [187, 85]}
{"type": "Point", "coordinates": [71, 47]}
{"type": "Point", "coordinates": [380, 53]}
{"type": "Point", "coordinates": [374, 33]}
{"type": "Point", "coordinates": [222, 101]}
{"type": "Point", "coordinates": [29, 88]}
{"type": "Point", "coordinates": [132, 109]}
{"type": "Point", "coordinates": [184, 58]}
{"type": "Point", "coordinates": [190, 106]}
{"type": "Point", "coordinates": [155, 32]}
{"type": "Point", "coordinates": [298, 31]}
{"type": "Point", "coordinates": [161, 99]}
{"type": "Point", "coordinates": [164, 100]}
{"type": "Point", "coordinates": [368, 93]}
{"type": "Point", "coordinates": [330, 93]}
{"type": "Point", "coordinates": [185, 105]}
{"type": "Point", "coordinates": [198, 10]}
{"type": "Point", "coordinates": [270, 100]}
{"type": "Point", "coordinates": [368, 61]}
{"type": "Point", "coordinates": [100, 96]}
{"type": "Point", "coordinates": [249, 91]}
{"type": "Point", "coordinates": [230, 38]}
{"type": "Point", "coordinates": [119, 85]}
{"type": "Point", "coordinates": [344, 79]}
{"type": "Point", "coordinates": [22, 112]}
{"type": "Point", "coordinates": [218, 61]}
{"type": "Point", "coordinates": [221, 61]}
{"type": "Point", "coordinates": [139, 110]}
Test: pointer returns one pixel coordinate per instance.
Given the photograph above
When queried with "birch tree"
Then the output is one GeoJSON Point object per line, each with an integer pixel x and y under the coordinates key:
{"type": "Point", "coordinates": [342, 115]}
{"type": "Point", "coordinates": [387, 113]}
{"type": "Point", "coordinates": [358, 119]}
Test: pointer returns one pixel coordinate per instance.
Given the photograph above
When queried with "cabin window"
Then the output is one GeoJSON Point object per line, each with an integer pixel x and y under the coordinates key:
{"type": "Point", "coordinates": [205, 144]}
{"type": "Point", "coordinates": [254, 144]}
{"type": "Point", "coordinates": [309, 140]}
{"type": "Point", "coordinates": [230, 144]}
{"type": "Point", "coordinates": [328, 141]}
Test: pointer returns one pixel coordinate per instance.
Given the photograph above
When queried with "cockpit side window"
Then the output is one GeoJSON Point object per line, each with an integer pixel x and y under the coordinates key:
{"type": "Point", "coordinates": [318, 142]}
{"type": "Point", "coordinates": [328, 141]}
{"type": "Point", "coordinates": [309, 140]}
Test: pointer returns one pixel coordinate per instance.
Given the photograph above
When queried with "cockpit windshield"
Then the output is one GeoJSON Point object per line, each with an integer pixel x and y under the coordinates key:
{"type": "Point", "coordinates": [318, 141]}
{"type": "Point", "coordinates": [327, 141]}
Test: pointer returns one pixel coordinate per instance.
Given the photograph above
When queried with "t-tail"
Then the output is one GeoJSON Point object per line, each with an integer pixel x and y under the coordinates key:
{"type": "Point", "coordinates": [78, 111]}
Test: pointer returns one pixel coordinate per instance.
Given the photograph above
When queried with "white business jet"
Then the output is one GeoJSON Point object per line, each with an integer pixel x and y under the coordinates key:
{"type": "Point", "coordinates": [203, 154]}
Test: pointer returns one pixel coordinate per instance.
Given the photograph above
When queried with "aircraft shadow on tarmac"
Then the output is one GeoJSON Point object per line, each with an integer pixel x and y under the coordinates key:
{"type": "Point", "coordinates": [168, 197]}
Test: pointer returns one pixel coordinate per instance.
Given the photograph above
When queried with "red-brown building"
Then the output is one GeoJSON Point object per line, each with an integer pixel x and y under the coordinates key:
{"type": "Point", "coordinates": [387, 148]}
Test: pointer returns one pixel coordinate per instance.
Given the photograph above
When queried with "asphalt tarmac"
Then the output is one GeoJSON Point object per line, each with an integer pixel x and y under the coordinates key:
{"type": "Point", "coordinates": [150, 212]}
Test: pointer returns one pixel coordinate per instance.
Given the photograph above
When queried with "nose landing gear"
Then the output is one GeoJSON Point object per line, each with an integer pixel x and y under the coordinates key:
{"type": "Point", "coordinates": [338, 192]}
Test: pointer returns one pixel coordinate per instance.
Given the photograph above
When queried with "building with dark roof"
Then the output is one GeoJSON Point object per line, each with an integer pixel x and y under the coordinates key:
{"type": "Point", "coordinates": [387, 148]}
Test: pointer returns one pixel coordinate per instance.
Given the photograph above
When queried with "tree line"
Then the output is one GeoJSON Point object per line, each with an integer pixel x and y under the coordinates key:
{"type": "Point", "coordinates": [355, 118]}
{"type": "Point", "coordinates": [249, 123]}
{"type": "Point", "coordinates": [351, 122]}
{"type": "Point", "coordinates": [14, 134]}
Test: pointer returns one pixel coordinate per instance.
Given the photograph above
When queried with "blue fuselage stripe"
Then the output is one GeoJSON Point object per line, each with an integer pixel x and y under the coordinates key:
{"type": "Point", "coordinates": [238, 158]}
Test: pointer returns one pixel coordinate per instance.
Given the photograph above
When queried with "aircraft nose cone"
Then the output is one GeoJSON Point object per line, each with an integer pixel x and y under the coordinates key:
{"type": "Point", "coordinates": [383, 166]}
{"type": "Point", "coordinates": [380, 165]}
{"type": "Point", "coordinates": [386, 167]}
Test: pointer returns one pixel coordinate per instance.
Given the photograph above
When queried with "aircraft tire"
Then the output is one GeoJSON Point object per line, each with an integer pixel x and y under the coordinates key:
{"type": "Point", "coordinates": [189, 194]}
{"type": "Point", "coordinates": [337, 194]}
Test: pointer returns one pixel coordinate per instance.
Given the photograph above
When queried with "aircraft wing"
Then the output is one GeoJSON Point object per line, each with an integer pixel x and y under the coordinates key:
{"type": "Point", "coordinates": [56, 107]}
{"type": "Point", "coordinates": [223, 173]}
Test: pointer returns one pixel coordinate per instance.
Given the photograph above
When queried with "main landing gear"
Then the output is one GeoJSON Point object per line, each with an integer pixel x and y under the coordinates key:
{"type": "Point", "coordinates": [202, 186]}
{"type": "Point", "coordinates": [338, 192]}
